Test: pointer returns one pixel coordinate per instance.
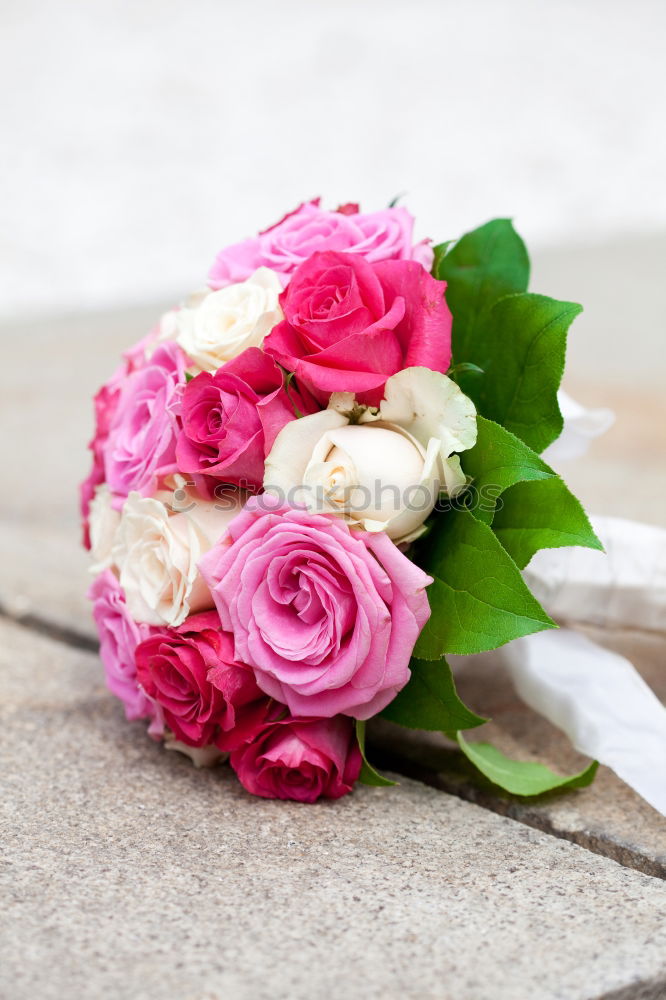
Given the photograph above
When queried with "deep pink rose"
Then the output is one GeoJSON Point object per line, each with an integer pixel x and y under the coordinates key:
{"type": "Point", "coordinates": [205, 696]}
{"type": "Point", "coordinates": [106, 402]}
{"type": "Point", "coordinates": [141, 444]}
{"type": "Point", "coordinates": [231, 418]}
{"type": "Point", "coordinates": [119, 636]}
{"type": "Point", "coordinates": [327, 617]}
{"type": "Point", "coordinates": [384, 235]}
{"type": "Point", "coordinates": [300, 759]}
{"type": "Point", "coordinates": [349, 324]}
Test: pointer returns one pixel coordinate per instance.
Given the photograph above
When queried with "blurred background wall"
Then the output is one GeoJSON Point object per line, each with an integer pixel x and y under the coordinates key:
{"type": "Point", "coordinates": [139, 136]}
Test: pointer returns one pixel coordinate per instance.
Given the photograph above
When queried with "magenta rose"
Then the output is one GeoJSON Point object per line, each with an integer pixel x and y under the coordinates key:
{"type": "Point", "coordinates": [326, 617]}
{"type": "Point", "coordinates": [300, 759]}
{"type": "Point", "coordinates": [230, 419]}
{"type": "Point", "coordinates": [141, 443]}
{"type": "Point", "coordinates": [384, 235]}
{"type": "Point", "coordinates": [204, 695]}
{"type": "Point", "coordinates": [350, 324]}
{"type": "Point", "coordinates": [119, 636]}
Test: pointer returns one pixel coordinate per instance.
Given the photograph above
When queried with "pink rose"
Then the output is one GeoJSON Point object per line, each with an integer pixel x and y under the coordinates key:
{"type": "Point", "coordinates": [106, 403]}
{"type": "Point", "coordinates": [141, 444]}
{"type": "Point", "coordinates": [300, 759]}
{"type": "Point", "coordinates": [137, 355]}
{"type": "Point", "coordinates": [350, 324]}
{"type": "Point", "coordinates": [326, 617]}
{"type": "Point", "coordinates": [384, 235]}
{"type": "Point", "coordinates": [119, 636]}
{"type": "Point", "coordinates": [231, 418]}
{"type": "Point", "coordinates": [205, 697]}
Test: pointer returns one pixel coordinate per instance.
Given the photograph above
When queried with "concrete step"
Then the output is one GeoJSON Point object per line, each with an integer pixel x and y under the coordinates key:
{"type": "Point", "coordinates": [607, 817]}
{"type": "Point", "coordinates": [129, 873]}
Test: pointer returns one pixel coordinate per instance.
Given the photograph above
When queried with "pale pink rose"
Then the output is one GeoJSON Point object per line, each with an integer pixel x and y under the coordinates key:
{"type": "Point", "coordinates": [141, 443]}
{"type": "Point", "coordinates": [384, 235]}
{"type": "Point", "coordinates": [327, 617]}
{"type": "Point", "coordinates": [106, 404]}
{"type": "Point", "coordinates": [138, 354]}
{"type": "Point", "coordinates": [119, 636]}
{"type": "Point", "coordinates": [300, 759]}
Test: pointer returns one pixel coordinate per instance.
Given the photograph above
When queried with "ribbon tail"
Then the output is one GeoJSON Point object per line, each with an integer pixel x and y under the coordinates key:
{"type": "Point", "coordinates": [599, 700]}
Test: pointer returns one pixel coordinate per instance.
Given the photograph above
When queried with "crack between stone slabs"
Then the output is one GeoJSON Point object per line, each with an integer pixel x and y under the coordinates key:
{"type": "Point", "coordinates": [652, 989]}
{"type": "Point", "coordinates": [50, 629]}
{"type": "Point", "coordinates": [622, 854]}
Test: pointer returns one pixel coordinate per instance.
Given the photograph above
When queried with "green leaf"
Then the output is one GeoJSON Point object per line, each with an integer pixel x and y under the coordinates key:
{"type": "Point", "coordinates": [430, 700]}
{"type": "Point", "coordinates": [439, 253]}
{"type": "Point", "coordinates": [523, 344]}
{"type": "Point", "coordinates": [541, 515]}
{"type": "Point", "coordinates": [498, 461]}
{"type": "Point", "coordinates": [464, 368]}
{"type": "Point", "coordinates": [521, 777]}
{"type": "Point", "coordinates": [478, 600]}
{"type": "Point", "coordinates": [482, 267]}
{"type": "Point", "coordinates": [368, 775]}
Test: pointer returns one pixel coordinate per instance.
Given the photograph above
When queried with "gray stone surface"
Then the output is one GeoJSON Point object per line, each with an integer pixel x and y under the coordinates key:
{"type": "Point", "coordinates": [46, 414]}
{"type": "Point", "coordinates": [607, 817]}
{"type": "Point", "coordinates": [131, 874]}
{"type": "Point", "coordinates": [127, 873]}
{"type": "Point", "coordinates": [49, 374]}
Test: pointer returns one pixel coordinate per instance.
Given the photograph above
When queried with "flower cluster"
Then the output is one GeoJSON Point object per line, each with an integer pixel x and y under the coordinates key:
{"type": "Point", "coordinates": [262, 461]}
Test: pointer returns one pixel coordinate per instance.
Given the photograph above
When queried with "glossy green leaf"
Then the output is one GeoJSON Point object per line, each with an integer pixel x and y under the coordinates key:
{"type": "Point", "coordinates": [521, 777]}
{"type": "Point", "coordinates": [541, 515]}
{"type": "Point", "coordinates": [368, 775]}
{"type": "Point", "coordinates": [439, 252]}
{"type": "Point", "coordinates": [478, 600]}
{"type": "Point", "coordinates": [483, 266]}
{"type": "Point", "coordinates": [430, 700]}
{"type": "Point", "coordinates": [498, 461]}
{"type": "Point", "coordinates": [523, 346]}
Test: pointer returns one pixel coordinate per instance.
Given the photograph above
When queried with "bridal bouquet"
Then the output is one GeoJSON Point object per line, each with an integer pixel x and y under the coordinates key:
{"type": "Point", "coordinates": [316, 478]}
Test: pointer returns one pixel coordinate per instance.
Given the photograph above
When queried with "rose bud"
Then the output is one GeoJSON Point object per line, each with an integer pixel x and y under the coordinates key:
{"type": "Point", "coordinates": [383, 472]}
{"type": "Point", "coordinates": [300, 759]}
{"type": "Point", "coordinates": [205, 697]}
{"type": "Point", "coordinates": [226, 322]}
{"type": "Point", "coordinates": [157, 552]}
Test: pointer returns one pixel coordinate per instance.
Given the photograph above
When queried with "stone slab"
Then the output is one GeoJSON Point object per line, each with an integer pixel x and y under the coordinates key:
{"type": "Point", "coordinates": [607, 817]}
{"type": "Point", "coordinates": [127, 873]}
{"type": "Point", "coordinates": [49, 374]}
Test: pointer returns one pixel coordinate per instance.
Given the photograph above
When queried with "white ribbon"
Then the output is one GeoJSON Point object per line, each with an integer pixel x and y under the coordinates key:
{"type": "Point", "coordinates": [595, 696]}
{"type": "Point", "coordinates": [623, 587]}
{"type": "Point", "coordinates": [580, 427]}
{"type": "Point", "coordinates": [599, 700]}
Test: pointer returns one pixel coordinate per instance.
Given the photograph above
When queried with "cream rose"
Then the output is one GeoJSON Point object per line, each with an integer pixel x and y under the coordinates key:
{"type": "Point", "coordinates": [380, 469]}
{"type": "Point", "coordinates": [216, 327]}
{"type": "Point", "coordinates": [157, 552]}
{"type": "Point", "coordinates": [103, 522]}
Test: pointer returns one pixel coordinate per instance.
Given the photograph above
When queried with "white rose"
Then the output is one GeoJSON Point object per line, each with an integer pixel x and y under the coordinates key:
{"type": "Point", "coordinates": [384, 471]}
{"type": "Point", "coordinates": [220, 325]}
{"type": "Point", "coordinates": [157, 554]}
{"type": "Point", "coordinates": [103, 523]}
